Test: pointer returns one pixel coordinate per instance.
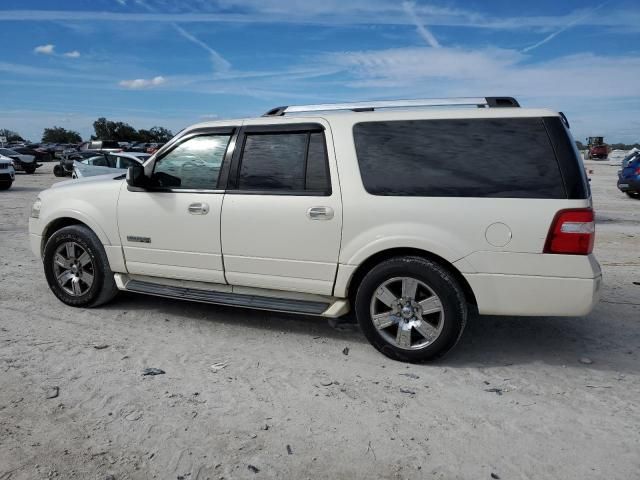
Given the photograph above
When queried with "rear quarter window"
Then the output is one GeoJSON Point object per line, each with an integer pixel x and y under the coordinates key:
{"type": "Point", "coordinates": [501, 158]}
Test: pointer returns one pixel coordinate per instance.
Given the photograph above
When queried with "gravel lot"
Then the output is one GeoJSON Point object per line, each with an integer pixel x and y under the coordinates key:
{"type": "Point", "coordinates": [536, 398]}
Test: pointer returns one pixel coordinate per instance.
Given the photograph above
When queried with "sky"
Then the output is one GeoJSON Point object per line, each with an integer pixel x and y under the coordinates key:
{"type": "Point", "coordinates": [175, 63]}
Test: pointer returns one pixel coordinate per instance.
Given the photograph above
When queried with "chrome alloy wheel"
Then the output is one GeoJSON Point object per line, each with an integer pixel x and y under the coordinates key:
{"type": "Point", "coordinates": [407, 313]}
{"type": "Point", "coordinates": [73, 269]}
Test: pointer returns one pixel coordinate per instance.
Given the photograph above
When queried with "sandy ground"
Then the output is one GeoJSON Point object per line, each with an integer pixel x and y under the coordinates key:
{"type": "Point", "coordinates": [291, 404]}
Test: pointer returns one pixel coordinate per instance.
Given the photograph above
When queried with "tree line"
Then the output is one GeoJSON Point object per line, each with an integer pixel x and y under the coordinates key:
{"type": "Point", "coordinates": [103, 130]}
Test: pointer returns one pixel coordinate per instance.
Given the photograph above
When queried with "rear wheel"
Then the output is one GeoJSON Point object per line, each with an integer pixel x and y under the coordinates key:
{"type": "Point", "coordinates": [411, 309]}
{"type": "Point", "coordinates": [30, 170]}
{"type": "Point", "coordinates": [77, 268]}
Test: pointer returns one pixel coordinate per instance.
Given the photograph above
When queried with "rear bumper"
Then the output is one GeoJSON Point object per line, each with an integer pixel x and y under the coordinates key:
{"type": "Point", "coordinates": [522, 295]}
{"type": "Point", "coordinates": [629, 185]}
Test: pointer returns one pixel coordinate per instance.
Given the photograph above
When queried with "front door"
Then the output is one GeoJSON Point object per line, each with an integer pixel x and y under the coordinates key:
{"type": "Point", "coordinates": [282, 214]}
{"type": "Point", "coordinates": [172, 229]}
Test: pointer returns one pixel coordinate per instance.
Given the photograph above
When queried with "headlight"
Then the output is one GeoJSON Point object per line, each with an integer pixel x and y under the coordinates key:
{"type": "Point", "coordinates": [35, 209]}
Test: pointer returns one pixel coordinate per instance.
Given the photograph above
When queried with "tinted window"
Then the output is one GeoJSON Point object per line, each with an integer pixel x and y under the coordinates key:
{"type": "Point", "coordinates": [317, 175]}
{"type": "Point", "coordinates": [292, 162]}
{"type": "Point", "coordinates": [508, 158]}
{"type": "Point", "coordinates": [193, 164]}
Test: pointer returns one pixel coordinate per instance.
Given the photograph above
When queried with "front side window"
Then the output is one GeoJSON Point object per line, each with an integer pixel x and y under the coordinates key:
{"type": "Point", "coordinates": [285, 162]}
{"type": "Point", "coordinates": [193, 164]}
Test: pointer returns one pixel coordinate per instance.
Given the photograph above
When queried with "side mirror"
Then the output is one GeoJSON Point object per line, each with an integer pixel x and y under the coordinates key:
{"type": "Point", "coordinates": [136, 177]}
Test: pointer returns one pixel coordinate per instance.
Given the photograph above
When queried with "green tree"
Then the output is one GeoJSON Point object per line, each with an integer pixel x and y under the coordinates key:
{"type": "Point", "coordinates": [155, 135]}
{"type": "Point", "coordinates": [105, 129]}
{"type": "Point", "coordinates": [109, 130]}
{"type": "Point", "coordinates": [11, 135]}
{"type": "Point", "coordinates": [60, 135]}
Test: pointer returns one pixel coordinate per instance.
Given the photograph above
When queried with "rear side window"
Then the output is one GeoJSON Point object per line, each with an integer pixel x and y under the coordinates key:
{"type": "Point", "coordinates": [284, 162]}
{"type": "Point", "coordinates": [501, 158]}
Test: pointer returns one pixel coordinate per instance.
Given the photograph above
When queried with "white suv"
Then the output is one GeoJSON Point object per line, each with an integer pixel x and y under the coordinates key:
{"type": "Point", "coordinates": [409, 214]}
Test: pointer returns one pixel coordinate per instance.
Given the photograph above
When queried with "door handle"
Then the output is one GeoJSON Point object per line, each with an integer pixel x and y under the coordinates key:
{"type": "Point", "coordinates": [320, 213]}
{"type": "Point", "coordinates": [198, 209]}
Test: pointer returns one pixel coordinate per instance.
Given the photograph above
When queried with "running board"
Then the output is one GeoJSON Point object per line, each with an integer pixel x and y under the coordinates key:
{"type": "Point", "coordinates": [225, 298]}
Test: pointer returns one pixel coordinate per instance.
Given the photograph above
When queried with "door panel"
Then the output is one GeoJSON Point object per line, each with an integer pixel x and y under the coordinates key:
{"type": "Point", "coordinates": [269, 241]}
{"type": "Point", "coordinates": [181, 244]}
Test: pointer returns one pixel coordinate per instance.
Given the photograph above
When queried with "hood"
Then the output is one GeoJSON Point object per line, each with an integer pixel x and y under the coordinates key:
{"type": "Point", "coordinates": [111, 177]}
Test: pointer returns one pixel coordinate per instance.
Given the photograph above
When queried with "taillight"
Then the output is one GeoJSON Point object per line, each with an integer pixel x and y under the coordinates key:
{"type": "Point", "coordinates": [638, 171]}
{"type": "Point", "coordinates": [572, 232]}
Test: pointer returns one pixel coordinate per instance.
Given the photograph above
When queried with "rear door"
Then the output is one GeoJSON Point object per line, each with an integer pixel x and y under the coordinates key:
{"type": "Point", "coordinates": [282, 213]}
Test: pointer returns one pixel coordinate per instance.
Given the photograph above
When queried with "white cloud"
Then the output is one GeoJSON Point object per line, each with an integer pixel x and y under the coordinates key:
{"type": "Point", "coordinates": [72, 54]}
{"type": "Point", "coordinates": [140, 83]}
{"type": "Point", "coordinates": [422, 30]}
{"type": "Point", "coordinates": [219, 62]}
{"type": "Point", "coordinates": [44, 49]}
{"type": "Point", "coordinates": [622, 20]}
{"type": "Point", "coordinates": [570, 24]}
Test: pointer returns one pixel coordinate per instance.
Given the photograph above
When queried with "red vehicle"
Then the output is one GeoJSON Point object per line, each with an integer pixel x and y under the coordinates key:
{"type": "Point", "coordinates": [596, 148]}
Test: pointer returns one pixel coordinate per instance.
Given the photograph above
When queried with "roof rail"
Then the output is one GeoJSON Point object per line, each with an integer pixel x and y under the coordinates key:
{"type": "Point", "coordinates": [481, 102]}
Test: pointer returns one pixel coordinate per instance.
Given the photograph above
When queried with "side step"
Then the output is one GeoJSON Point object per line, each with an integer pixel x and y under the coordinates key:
{"type": "Point", "coordinates": [232, 299]}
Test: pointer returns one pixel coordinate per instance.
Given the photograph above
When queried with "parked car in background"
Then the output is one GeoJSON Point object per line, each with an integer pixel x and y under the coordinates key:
{"type": "Point", "coordinates": [139, 147]}
{"type": "Point", "coordinates": [107, 163]}
{"type": "Point", "coordinates": [21, 162]}
{"type": "Point", "coordinates": [412, 216]}
{"type": "Point", "coordinates": [7, 173]}
{"type": "Point", "coordinates": [629, 176]}
{"type": "Point", "coordinates": [40, 154]}
{"type": "Point", "coordinates": [154, 147]}
{"type": "Point", "coordinates": [65, 167]}
{"type": "Point", "coordinates": [102, 145]}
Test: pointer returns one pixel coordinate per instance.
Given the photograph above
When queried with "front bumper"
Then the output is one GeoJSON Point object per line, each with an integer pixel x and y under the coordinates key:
{"type": "Point", "coordinates": [35, 242]}
{"type": "Point", "coordinates": [7, 177]}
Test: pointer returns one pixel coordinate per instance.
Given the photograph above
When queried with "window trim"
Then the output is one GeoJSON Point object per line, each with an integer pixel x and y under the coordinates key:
{"type": "Point", "coordinates": [232, 186]}
{"type": "Point", "coordinates": [199, 132]}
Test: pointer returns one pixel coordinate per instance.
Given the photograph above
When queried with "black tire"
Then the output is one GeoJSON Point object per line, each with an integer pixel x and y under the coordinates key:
{"type": "Point", "coordinates": [436, 278]}
{"type": "Point", "coordinates": [58, 171]}
{"type": "Point", "coordinates": [635, 195]}
{"type": "Point", "coordinates": [29, 170]}
{"type": "Point", "coordinates": [5, 185]}
{"type": "Point", "coordinates": [103, 288]}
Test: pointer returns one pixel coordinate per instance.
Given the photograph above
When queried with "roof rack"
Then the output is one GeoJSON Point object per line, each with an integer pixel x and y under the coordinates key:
{"type": "Point", "coordinates": [480, 102]}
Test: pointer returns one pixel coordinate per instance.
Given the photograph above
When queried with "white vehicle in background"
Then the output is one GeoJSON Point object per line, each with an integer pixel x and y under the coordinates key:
{"type": "Point", "coordinates": [411, 215]}
{"type": "Point", "coordinates": [7, 173]}
{"type": "Point", "coordinates": [105, 163]}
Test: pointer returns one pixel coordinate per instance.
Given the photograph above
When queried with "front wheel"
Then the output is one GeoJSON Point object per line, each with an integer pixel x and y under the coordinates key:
{"type": "Point", "coordinates": [635, 195]}
{"type": "Point", "coordinates": [411, 309]}
{"type": "Point", "coordinates": [5, 186]}
{"type": "Point", "coordinates": [77, 268]}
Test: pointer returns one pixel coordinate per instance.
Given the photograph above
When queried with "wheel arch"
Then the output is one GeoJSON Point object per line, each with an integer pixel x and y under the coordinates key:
{"type": "Point", "coordinates": [62, 222]}
{"type": "Point", "coordinates": [377, 258]}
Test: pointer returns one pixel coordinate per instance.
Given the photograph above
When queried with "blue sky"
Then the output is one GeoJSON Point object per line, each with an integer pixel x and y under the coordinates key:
{"type": "Point", "coordinates": [172, 63]}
